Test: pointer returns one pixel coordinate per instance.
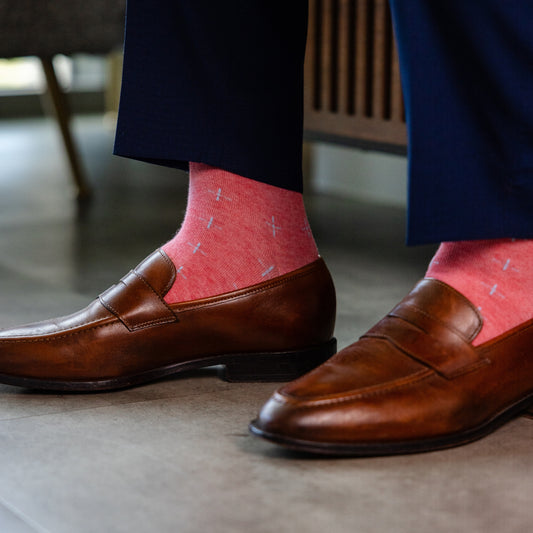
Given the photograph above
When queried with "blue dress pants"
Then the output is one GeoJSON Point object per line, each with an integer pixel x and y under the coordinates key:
{"type": "Point", "coordinates": [222, 83]}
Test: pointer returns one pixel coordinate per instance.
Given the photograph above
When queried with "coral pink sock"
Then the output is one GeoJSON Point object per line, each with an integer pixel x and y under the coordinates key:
{"type": "Point", "coordinates": [237, 232]}
{"type": "Point", "coordinates": [495, 275]}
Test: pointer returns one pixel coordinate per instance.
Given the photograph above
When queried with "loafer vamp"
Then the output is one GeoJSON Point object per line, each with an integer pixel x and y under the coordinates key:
{"type": "Point", "coordinates": [93, 314]}
{"type": "Point", "coordinates": [415, 403]}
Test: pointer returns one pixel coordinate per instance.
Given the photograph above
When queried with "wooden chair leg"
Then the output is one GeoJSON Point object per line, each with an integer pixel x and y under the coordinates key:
{"type": "Point", "coordinates": [62, 113]}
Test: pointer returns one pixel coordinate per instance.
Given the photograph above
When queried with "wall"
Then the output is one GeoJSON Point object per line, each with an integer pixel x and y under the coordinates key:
{"type": "Point", "coordinates": [365, 175]}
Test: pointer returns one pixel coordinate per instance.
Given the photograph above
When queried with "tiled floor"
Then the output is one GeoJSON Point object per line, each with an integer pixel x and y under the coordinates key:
{"type": "Point", "coordinates": [175, 456]}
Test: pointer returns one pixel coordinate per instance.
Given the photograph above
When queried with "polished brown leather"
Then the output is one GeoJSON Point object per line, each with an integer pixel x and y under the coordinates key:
{"type": "Point", "coordinates": [413, 382]}
{"type": "Point", "coordinates": [275, 330]}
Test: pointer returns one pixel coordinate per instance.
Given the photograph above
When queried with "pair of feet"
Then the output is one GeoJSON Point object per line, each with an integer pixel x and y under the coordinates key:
{"type": "Point", "coordinates": [416, 381]}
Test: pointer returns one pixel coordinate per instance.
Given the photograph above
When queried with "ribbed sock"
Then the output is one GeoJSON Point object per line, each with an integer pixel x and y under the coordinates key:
{"type": "Point", "coordinates": [236, 232]}
{"type": "Point", "coordinates": [495, 275]}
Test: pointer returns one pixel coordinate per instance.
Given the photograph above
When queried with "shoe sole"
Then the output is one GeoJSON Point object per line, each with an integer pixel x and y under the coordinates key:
{"type": "Point", "coordinates": [242, 367]}
{"type": "Point", "coordinates": [395, 448]}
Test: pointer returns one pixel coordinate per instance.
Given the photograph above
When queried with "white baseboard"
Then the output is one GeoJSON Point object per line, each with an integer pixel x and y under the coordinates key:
{"type": "Point", "coordinates": [365, 175]}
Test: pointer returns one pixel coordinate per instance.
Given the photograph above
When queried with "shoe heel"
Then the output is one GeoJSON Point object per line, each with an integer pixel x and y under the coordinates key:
{"type": "Point", "coordinates": [277, 366]}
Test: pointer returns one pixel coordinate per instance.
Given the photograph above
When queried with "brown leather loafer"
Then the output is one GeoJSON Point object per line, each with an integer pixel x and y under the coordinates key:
{"type": "Point", "coordinates": [413, 383]}
{"type": "Point", "coordinates": [273, 331]}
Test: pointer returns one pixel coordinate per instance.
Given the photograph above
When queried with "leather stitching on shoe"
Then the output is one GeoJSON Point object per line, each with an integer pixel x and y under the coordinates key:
{"type": "Point", "coordinates": [182, 307]}
{"type": "Point", "coordinates": [364, 393]}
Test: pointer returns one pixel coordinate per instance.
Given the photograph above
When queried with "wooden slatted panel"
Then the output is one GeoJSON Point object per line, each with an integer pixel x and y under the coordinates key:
{"type": "Point", "coordinates": [326, 54]}
{"type": "Point", "coordinates": [361, 58]}
{"type": "Point", "coordinates": [352, 74]}
{"type": "Point", "coordinates": [344, 59]}
{"type": "Point", "coordinates": [397, 113]}
{"type": "Point", "coordinates": [311, 96]}
{"type": "Point", "coordinates": [379, 60]}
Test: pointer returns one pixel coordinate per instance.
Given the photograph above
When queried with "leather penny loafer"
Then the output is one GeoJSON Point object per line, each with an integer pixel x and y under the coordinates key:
{"type": "Point", "coordinates": [412, 383]}
{"type": "Point", "coordinates": [273, 331]}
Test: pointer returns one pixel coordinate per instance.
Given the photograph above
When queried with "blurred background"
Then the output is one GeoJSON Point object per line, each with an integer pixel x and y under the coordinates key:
{"type": "Point", "coordinates": [175, 455]}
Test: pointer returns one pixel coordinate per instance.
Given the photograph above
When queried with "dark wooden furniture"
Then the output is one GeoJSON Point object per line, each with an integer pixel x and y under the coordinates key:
{"type": "Point", "coordinates": [352, 76]}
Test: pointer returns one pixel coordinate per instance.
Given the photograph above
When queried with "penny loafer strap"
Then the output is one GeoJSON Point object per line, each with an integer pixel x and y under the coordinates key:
{"type": "Point", "coordinates": [136, 303]}
{"type": "Point", "coordinates": [432, 344]}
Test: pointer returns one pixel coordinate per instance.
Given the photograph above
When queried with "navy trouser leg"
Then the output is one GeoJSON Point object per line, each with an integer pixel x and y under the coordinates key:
{"type": "Point", "coordinates": [221, 83]}
{"type": "Point", "coordinates": [467, 69]}
{"type": "Point", "coordinates": [215, 82]}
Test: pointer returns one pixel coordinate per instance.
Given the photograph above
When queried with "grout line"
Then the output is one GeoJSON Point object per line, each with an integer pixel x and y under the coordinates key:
{"type": "Point", "coordinates": [23, 517]}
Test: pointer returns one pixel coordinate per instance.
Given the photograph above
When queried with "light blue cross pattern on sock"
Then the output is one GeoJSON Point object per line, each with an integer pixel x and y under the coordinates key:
{"type": "Point", "coordinates": [506, 265]}
{"type": "Point", "coordinates": [307, 228]}
{"type": "Point", "coordinates": [179, 271]}
{"type": "Point", "coordinates": [268, 270]}
{"type": "Point", "coordinates": [218, 195]}
{"type": "Point", "coordinates": [493, 290]}
{"type": "Point", "coordinates": [196, 248]}
{"type": "Point", "coordinates": [210, 223]}
{"type": "Point", "coordinates": [273, 226]}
